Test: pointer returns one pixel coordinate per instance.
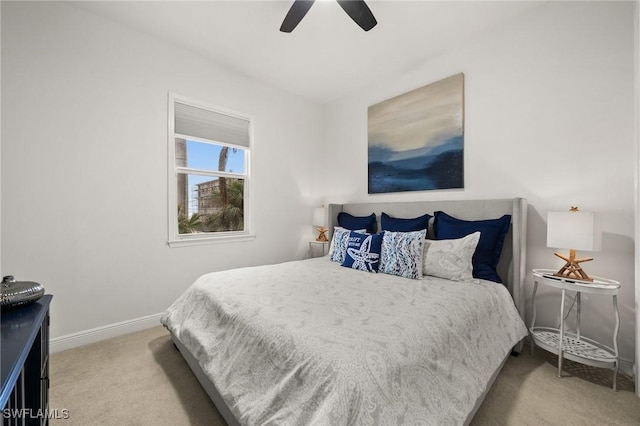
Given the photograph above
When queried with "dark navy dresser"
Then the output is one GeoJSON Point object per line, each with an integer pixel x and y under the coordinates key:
{"type": "Point", "coordinates": [25, 364]}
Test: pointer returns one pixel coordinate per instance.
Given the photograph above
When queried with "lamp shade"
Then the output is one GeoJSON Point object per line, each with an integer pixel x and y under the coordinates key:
{"type": "Point", "coordinates": [319, 217]}
{"type": "Point", "coordinates": [574, 230]}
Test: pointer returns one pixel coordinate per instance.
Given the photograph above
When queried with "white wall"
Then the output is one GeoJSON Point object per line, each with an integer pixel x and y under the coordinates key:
{"type": "Point", "coordinates": [549, 116]}
{"type": "Point", "coordinates": [84, 165]}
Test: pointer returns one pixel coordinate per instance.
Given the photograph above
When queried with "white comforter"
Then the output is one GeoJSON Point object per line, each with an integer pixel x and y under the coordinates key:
{"type": "Point", "coordinates": [311, 342]}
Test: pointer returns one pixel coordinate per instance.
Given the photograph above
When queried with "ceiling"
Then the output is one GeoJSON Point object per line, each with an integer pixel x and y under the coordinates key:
{"type": "Point", "coordinates": [327, 55]}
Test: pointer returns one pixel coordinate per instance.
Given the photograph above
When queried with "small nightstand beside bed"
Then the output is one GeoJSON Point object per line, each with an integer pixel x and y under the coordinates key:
{"type": "Point", "coordinates": [315, 342]}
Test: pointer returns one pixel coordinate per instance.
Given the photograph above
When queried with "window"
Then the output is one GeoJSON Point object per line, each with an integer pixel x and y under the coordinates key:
{"type": "Point", "coordinates": [208, 173]}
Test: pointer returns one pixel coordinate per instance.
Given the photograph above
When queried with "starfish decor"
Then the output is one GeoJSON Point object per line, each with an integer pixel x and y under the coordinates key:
{"type": "Point", "coordinates": [322, 234]}
{"type": "Point", "coordinates": [363, 258]}
{"type": "Point", "coordinates": [572, 268]}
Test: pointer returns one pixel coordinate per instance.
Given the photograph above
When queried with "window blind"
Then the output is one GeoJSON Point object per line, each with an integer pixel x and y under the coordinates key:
{"type": "Point", "coordinates": [211, 125]}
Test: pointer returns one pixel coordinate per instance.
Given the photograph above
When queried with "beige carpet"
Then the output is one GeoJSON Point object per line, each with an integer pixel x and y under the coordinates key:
{"type": "Point", "coordinates": [141, 379]}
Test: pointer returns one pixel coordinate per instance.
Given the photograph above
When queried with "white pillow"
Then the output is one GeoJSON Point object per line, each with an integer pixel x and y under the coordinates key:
{"type": "Point", "coordinates": [450, 259]}
{"type": "Point", "coordinates": [401, 253]}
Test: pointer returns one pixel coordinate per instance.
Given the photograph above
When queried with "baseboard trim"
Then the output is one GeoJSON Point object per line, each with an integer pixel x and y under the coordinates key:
{"type": "Point", "coordinates": [627, 367]}
{"type": "Point", "coordinates": [97, 334]}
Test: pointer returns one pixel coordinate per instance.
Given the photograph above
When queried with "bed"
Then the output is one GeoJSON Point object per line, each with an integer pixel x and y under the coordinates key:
{"type": "Point", "coordinates": [313, 342]}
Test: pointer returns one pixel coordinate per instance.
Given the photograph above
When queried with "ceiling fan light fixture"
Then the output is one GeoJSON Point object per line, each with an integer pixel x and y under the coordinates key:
{"type": "Point", "coordinates": [356, 9]}
{"type": "Point", "coordinates": [298, 9]}
{"type": "Point", "coordinates": [359, 12]}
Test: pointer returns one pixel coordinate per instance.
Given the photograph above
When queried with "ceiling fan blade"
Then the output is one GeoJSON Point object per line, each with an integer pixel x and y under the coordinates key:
{"type": "Point", "coordinates": [298, 9]}
{"type": "Point", "coordinates": [359, 12]}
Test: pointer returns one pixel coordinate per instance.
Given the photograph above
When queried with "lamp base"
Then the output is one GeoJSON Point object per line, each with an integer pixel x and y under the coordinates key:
{"type": "Point", "coordinates": [322, 234]}
{"type": "Point", "coordinates": [572, 268]}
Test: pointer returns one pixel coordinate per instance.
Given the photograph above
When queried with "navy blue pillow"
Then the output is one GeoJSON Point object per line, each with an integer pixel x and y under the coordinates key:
{"type": "Point", "coordinates": [363, 251]}
{"type": "Point", "coordinates": [351, 222]}
{"type": "Point", "coordinates": [492, 233]}
{"type": "Point", "coordinates": [395, 224]}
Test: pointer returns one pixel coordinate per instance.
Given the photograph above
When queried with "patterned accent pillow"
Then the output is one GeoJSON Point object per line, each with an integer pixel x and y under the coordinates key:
{"type": "Point", "coordinates": [401, 253]}
{"type": "Point", "coordinates": [338, 245]}
{"type": "Point", "coordinates": [451, 259]}
{"type": "Point", "coordinates": [363, 251]}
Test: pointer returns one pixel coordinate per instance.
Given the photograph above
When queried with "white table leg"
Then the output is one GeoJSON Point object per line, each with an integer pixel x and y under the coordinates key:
{"type": "Point", "coordinates": [578, 316]}
{"type": "Point", "coordinates": [561, 334]}
{"type": "Point", "coordinates": [615, 341]}
{"type": "Point", "coordinates": [533, 319]}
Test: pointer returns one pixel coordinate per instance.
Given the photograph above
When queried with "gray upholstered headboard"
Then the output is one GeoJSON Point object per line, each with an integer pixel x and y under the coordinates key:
{"type": "Point", "coordinates": [511, 267]}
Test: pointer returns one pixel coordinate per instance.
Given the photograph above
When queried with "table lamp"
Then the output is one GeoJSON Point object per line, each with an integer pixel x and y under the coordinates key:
{"type": "Point", "coordinates": [320, 222]}
{"type": "Point", "coordinates": [573, 230]}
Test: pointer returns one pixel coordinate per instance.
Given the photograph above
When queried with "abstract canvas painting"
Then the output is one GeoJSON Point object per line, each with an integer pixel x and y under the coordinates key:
{"type": "Point", "coordinates": [416, 140]}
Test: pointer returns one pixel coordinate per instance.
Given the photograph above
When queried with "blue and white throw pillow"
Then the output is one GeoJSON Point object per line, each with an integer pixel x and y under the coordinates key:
{"type": "Point", "coordinates": [363, 251]}
{"type": "Point", "coordinates": [401, 253]}
{"type": "Point", "coordinates": [339, 242]}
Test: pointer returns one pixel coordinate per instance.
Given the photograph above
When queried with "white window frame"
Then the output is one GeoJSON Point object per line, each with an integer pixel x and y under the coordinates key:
{"type": "Point", "coordinates": [180, 240]}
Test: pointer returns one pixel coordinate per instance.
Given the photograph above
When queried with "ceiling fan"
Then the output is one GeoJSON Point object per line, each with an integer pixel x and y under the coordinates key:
{"type": "Point", "coordinates": [356, 9]}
